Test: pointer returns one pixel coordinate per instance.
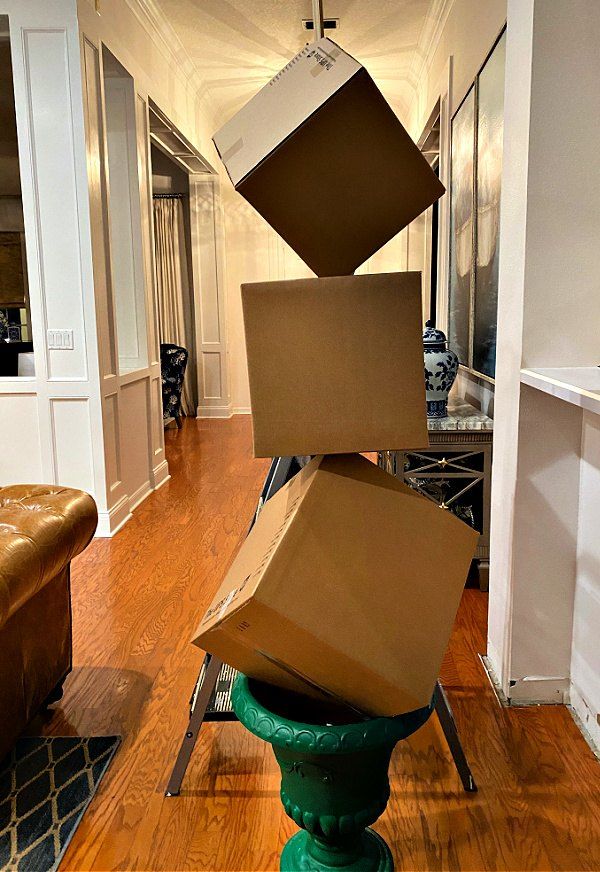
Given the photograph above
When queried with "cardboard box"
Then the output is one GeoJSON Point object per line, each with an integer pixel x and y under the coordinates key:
{"type": "Point", "coordinates": [336, 364]}
{"type": "Point", "coordinates": [345, 589]}
{"type": "Point", "coordinates": [322, 156]}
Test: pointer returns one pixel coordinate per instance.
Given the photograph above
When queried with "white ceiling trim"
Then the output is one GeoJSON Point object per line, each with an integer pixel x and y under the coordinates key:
{"type": "Point", "coordinates": [167, 41]}
{"type": "Point", "coordinates": [165, 38]}
{"type": "Point", "coordinates": [429, 39]}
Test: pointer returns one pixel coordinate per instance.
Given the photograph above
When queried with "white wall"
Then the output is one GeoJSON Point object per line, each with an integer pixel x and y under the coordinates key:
{"type": "Point", "coordinates": [585, 651]}
{"type": "Point", "coordinates": [49, 424]}
{"type": "Point", "coordinates": [79, 430]}
{"type": "Point", "coordinates": [468, 33]}
{"type": "Point", "coordinates": [120, 448]}
{"type": "Point", "coordinates": [255, 253]}
{"type": "Point", "coordinates": [147, 50]}
{"type": "Point", "coordinates": [145, 46]}
{"type": "Point", "coordinates": [150, 52]}
{"type": "Point", "coordinates": [544, 570]}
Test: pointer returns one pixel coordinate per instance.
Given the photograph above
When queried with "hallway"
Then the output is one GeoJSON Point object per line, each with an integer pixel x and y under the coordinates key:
{"type": "Point", "coordinates": [137, 599]}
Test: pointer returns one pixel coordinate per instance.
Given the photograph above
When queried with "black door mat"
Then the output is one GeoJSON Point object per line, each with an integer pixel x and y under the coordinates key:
{"type": "Point", "coordinates": [219, 705]}
{"type": "Point", "coordinates": [46, 785]}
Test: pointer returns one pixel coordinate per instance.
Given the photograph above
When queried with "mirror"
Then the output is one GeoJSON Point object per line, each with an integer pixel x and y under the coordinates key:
{"type": "Point", "coordinates": [16, 347]}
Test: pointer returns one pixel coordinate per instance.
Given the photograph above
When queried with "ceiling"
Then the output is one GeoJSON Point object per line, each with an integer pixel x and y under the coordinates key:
{"type": "Point", "coordinates": [238, 45]}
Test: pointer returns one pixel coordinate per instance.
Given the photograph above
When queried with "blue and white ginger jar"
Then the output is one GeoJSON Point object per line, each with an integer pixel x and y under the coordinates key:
{"type": "Point", "coordinates": [441, 367]}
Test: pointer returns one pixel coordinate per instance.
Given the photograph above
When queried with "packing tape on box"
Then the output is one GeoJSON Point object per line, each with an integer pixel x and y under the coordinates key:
{"type": "Point", "coordinates": [233, 149]}
{"type": "Point", "coordinates": [325, 60]}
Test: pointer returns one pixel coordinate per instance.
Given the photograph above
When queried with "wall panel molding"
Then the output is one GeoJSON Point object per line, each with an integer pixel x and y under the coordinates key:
{"type": "Point", "coordinates": [209, 283]}
{"type": "Point", "coordinates": [96, 168]}
{"type": "Point", "coordinates": [54, 176]}
{"type": "Point", "coordinates": [72, 448]}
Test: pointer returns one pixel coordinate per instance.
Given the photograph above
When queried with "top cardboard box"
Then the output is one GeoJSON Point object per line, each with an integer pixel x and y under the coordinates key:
{"type": "Point", "coordinates": [322, 156]}
{"type": "Point", "coordinates": [345, 589]}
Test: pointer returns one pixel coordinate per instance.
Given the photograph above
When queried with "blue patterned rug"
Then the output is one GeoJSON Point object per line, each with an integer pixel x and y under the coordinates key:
{"type": "Point", "coordinates": [46, 785]}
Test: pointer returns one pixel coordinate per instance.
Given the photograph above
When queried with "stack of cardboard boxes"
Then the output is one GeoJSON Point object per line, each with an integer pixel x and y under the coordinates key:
{"type": "Point", "coordinates": [348, 584]}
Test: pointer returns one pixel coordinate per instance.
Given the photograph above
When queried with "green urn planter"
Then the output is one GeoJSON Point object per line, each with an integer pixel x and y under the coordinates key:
{"type": "Point", "coordinates": [334, 774]}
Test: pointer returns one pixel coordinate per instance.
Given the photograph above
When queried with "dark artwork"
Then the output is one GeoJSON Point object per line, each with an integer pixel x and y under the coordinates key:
{"type": "Point", "coordinates": [489, 175]}
{"type": "Point", "coordinates": [12, 273]}
{"type": "Point", "coordinates": [461, 227]}
{"type": "Point", "coordinates": [476, 176]}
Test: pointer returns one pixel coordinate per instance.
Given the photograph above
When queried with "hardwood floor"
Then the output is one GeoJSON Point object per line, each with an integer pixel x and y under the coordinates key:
{"type": "Point", "coordinates": [136, 601]}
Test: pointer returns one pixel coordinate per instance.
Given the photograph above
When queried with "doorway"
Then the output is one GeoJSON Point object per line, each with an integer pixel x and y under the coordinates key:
{"type": "Point", "coordinates": [429, 144]}
{"type": "Point", "coordinates": [174, 270]}
{"type": "Point", "coordinates": [182, 177]}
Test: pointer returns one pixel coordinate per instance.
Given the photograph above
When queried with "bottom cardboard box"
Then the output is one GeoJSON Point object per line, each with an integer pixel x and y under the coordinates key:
{"type": "Point", "coordinates": [346, 589]}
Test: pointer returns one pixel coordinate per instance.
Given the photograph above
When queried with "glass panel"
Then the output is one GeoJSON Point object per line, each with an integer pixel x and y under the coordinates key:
{"type": "Point", "coordinates": [461, 227]}
{"type": "Point", "coordinates": [125, 216]}
{"type": "Point", "coordinates": [16, 348]}
{"type": "Point", "coordinates": [489, 174]}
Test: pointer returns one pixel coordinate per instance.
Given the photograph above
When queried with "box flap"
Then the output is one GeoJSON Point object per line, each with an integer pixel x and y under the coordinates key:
{"type": "Point", "coordinates": [256, 552]}
{"type": "Point", "coordinates": [304, 84]}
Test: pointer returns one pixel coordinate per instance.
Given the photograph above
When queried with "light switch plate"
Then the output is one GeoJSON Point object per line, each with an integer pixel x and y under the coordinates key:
{"type": "Point", "coordinates": [60, 340]}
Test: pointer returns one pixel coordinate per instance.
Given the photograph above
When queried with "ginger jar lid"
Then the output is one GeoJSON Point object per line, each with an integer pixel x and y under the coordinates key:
{"type": "Point", "coordinates": [432, 336]}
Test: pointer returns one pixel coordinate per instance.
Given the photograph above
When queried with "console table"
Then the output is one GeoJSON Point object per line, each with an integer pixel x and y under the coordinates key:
{"type": "Point", "coordinates": [454, 470]}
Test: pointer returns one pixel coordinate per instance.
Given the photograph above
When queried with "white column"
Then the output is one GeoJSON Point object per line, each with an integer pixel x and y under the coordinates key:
{"type": "Point", "coordinates": [58, 412]}
{"type": "Point", "coordinates": [548, 315]}
{"type": "Point", "coordinates": [208, 266]}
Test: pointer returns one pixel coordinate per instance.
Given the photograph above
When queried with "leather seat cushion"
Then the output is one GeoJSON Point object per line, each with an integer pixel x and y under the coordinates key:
{"type": "Point", "coordinates": [42, 527]}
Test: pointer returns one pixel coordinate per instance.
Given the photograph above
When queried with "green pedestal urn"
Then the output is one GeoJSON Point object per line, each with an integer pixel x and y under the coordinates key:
{"type": "Point", "coordinates": [334, 774]}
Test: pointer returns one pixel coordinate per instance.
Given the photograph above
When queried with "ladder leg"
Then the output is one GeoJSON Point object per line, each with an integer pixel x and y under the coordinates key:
{"type": "Point", "coordinates": [211, 676]}
{"type": "Point", "coordinates": [448, 724]}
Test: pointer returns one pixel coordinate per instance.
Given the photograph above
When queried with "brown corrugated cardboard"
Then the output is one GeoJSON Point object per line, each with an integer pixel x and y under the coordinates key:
{"type": "Point", "coordinates": [322, 156]}
{"type": "Point", "coordinates": [346, 588]}
{"type": "Point", "coordinates": [336, 364]}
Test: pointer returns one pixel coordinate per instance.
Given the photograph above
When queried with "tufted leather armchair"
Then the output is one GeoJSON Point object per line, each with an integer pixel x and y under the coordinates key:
{"type": "Point", "coordinates": [42, 527]}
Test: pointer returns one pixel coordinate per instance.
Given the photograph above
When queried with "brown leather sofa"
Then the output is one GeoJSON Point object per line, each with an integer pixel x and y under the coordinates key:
{"type": "Point", "coordinates": [42, 527]}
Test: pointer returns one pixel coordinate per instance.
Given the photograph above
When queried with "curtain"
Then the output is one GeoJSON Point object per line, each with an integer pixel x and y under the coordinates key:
{"type": "Point", "coordinates": [172, 281]}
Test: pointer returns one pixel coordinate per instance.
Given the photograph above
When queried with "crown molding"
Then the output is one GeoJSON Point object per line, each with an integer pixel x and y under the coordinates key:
{"type": "Point", "coordinates": [165, 38]}
{"type": "Point", "coordinates": [429, 39]}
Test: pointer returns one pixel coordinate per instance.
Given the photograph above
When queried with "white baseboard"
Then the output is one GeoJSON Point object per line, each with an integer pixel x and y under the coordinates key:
{"type": "Point", "coordinates": [528, 691]}
{"type": "Point", "coordinates": [585, 718]}
{"type": "Point", "coordinates": [139, 495]}
{"type": "Point", "coordinates": [492, 675]}
{"type": "Point", "coordinates": [553, 690]}
{"type": "Point", "coordinates": [161, 474]}
{"type": "Point", "coordinates": [224, 411]}
{"type": "Point", "coordinates": [111, 521]}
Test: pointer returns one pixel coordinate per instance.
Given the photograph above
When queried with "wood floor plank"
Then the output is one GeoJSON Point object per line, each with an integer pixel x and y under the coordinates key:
{"type": "Point", "coordinates": [136, 601]}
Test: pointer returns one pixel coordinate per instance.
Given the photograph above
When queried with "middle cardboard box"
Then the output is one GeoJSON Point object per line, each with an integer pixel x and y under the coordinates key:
{"type": "Point", "coordinates": [335, 364]}
{"type": "Point", "coordinates": [345, 589]}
